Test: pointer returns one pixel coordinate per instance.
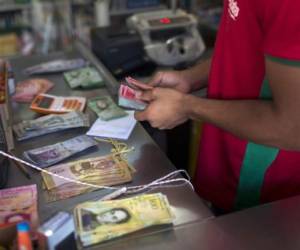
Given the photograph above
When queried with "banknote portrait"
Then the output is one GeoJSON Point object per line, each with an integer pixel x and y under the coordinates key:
{"type": "Point", "coordinates": [87, 167]}
{"type": "Point", "coordinates": [112, 216]}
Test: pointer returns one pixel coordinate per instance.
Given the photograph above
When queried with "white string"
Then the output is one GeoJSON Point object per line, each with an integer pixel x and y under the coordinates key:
{"type": "Point", "coordinates": [51, 173]}
{"type": "Point", "coordinates": [165, 181]}
{"type": "Point", "coordinates": [162, 182]}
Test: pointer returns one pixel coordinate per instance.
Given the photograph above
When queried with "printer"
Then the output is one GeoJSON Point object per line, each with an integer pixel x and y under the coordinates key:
{"type": "Point", "coordinates": [118, 49]}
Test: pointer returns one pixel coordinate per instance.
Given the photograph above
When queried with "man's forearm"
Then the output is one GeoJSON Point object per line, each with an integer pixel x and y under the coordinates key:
{"type": "Point", "coordinates": [197, 76]}
{"type": "Point", "coordinates": [254, 120]}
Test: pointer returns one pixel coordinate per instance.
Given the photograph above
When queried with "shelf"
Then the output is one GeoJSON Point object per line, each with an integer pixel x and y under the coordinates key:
{"type": "Point", "coordinates": [117, 12]}
{"type": "Point", "coordinates": [14, 7]}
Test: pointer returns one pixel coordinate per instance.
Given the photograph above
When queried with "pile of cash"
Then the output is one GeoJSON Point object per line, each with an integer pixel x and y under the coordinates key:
{"type": "Point", "coordinates": [52, 154]}
{"type": "Point", "coordinates": [103, 171]}
{"type": "Point", "coordinates": [49, 124]}
{"type": "Point", "coordinates": [105, 108]}
{"type": "Point", "coordinates": [128, 98]}
{"type": "Point", "coordinates": [56, 66]}
{"type": "Point", "coordinates": [87, 77]}
{"type": "Point", "coordinates": [28, 89]}
{"type": "Point", "coordinates": [128, 94]}
{"type": "Point", "coordinates": [18, 204]}
{"type": "Point", "coordinates": [104, 220]}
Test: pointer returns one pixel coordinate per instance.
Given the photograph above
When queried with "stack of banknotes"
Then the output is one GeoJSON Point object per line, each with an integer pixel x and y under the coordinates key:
{"type": "Point", "coordinates": [52, 154]}
{"type": "Point", "coordinates": [128, 98]}
{"type": "Point", "coordinates": [128, 93]}
{"type": "Point", "coordinates": [103, 171]}
{"type": "Point", "coordinates": [100, 221]}
{"type": "Point", "coordinates": [105, 108]}
{"type": "Point", "coordinates": [56, 66]}
{"type": "Point", "coordinates": [49, 124]}
{"type": "Point", "coordinates": [18, 204]}
{"type": "Point", "coordinates": [87, 77]}
{"type": "Point", "coordinates": [28, 89]}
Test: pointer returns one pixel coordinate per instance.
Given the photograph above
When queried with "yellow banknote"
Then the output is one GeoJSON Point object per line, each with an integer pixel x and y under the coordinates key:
{"type": "Point", "coordinates": [104, 220]}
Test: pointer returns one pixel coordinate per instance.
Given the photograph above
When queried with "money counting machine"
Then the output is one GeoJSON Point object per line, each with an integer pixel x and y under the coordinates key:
{"type": "Point", "coordinates": [166, 37]}
{"type": "Point", "coordinates": [170, 37]}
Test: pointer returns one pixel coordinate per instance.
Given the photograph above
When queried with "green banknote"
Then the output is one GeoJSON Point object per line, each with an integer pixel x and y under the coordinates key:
{"type": "Point", "coordinates": [87, 77]}
{"type": "Point", "coordinates": [105, 108]}
{"type": "Point", "coordinates": [104, 220]}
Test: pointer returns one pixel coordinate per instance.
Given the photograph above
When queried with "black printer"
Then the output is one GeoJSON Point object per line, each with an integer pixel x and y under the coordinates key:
{"type": "Point", "coordinates": [118, 49]}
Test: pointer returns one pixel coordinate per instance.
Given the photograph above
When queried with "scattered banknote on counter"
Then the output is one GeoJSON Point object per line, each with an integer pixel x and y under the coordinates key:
{"type": "Point", "coordinates": [49, 124]}
{"type": "Point", "coordinates": [105, 108]}
{"type": "Point", "coordinates": [87, 77]}
{"type": "Point", "coordinates": [52, 154]}
{"type": "Point", "coordinates": [120, 128]}
{"type": "Point", "coordinates": [18, 204]}
{"type": "Point", "coordinates": [28, 89]}
{"type": "Point", "coordinates": [105, 220]}
{"type": "Point", "coordinates": [56, 66]}
{"type": "Point", "coordinates": [128, 98]}
{"type": "Point", "coordinates": [104, 171]}
{"type": "Point", "coordinates": [66, 191]}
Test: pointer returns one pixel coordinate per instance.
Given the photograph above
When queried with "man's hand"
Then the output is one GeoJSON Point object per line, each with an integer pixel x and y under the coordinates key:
{"type": "Point", "coordinates": [166, 108]}
{"type": "Point", "coordinates": [171, 79]}
{"type": "Point", "coordinates": [184, 81]}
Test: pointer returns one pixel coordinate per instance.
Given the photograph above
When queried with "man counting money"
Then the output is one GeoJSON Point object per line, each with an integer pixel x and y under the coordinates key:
{"type": "Point", "coordinates": [249, 152]}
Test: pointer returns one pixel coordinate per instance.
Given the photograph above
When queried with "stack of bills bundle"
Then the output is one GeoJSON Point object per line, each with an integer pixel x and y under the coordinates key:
{"type": "Point", "coordinates": [28, 89]}
{"type": "Point", "coordinates": [49, 124]}
{"type": "Point", "coordinates": [56, 66]}
{"type": "Point", "coordinates": [87, 77]}
{"type": "Point", "coordinates": [52, 154]}
{"type": "Point", "coordinates": [104, 220]}
{"type": "Point", "coordinates": [105, 108]}
{"type": "Point", "coordinates": [128, 93]}
{"type": "Point", "coordinates": [18, 204]}
{"type": "Point", "coordinates": [103, 171]}
{"type": "Point", "coordinates": [128, 98]}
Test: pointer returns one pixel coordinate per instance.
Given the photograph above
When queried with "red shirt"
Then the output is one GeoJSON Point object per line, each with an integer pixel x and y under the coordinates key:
{"type": "Point", "coordinates": [234, 173]}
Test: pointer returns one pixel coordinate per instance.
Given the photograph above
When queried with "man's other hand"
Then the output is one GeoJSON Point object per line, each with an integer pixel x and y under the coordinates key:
{"type": "Point", "coordinates": [171, 79]}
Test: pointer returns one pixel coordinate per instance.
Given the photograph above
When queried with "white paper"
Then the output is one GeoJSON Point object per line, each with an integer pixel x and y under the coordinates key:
{"type": "Point", "coordinates": [120, 128]}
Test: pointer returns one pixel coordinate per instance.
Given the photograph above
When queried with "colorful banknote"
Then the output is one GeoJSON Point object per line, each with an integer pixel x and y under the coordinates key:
{"type": "Point", "coordinates": [128, 98]}
{"type": "Point", "coordinates": [49, 124]}
{"type": "Point", "coordinates": [52, 154]}
{"type": "Point", "coordinates": [66, 191]}
{"type": "Point", "coordinates": [18, 204]}
{"type": "Point", "coordinates": [105, 220]}
{"type": "Point", "coordinates": [28, 89]}
{"type": "Point", "coordinates": [105, 108]}
{"type": "Point", "coordinates": [87, 77]}
{"type": "Point", "coordinates": [102, 171]}
{"type": "Point", "coordinates": [56, 66]}
{"type": "Point", "coordinates": [136, 84]}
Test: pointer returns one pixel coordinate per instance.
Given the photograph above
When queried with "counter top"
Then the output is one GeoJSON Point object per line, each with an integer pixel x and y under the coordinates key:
{"type": "Point", "coordinates": [149, 161]}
